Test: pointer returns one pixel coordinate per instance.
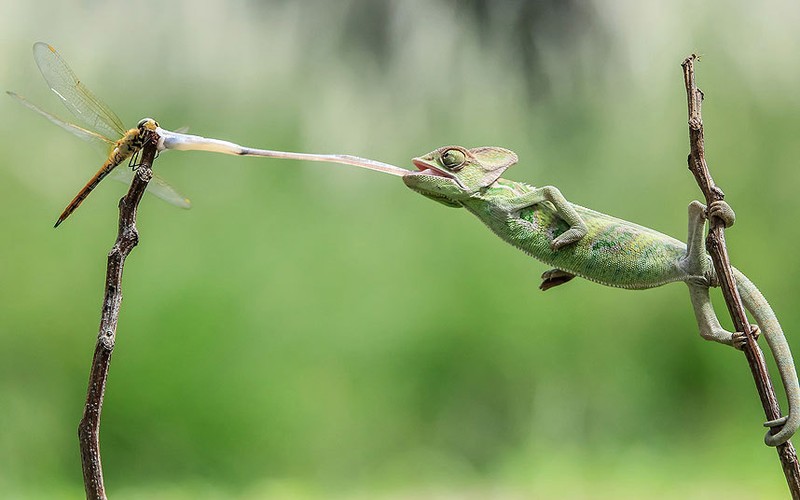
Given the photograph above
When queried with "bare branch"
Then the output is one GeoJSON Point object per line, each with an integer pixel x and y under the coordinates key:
{"type": "Point", "coordinates": [715, 243]}
{"type": "Point", "coordinates": [127, 238]}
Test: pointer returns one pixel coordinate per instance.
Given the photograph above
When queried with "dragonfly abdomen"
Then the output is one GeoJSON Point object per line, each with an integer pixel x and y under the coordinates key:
{"type": "Point", "coordinates": [124, 148]}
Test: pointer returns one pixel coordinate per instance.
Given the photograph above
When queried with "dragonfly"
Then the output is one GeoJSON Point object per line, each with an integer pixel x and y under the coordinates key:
{"type": "Point", "coordinates": [99, 124]}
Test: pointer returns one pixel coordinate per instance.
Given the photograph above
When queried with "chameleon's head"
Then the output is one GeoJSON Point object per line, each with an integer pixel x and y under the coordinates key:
{"type": "Point", "coordinates": [147, 124]}
{"type": "Point", "coordinates": [453, 174]}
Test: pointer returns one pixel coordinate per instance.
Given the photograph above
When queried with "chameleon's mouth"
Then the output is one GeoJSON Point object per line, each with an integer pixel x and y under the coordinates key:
{"type": "Point", "coordinates": [426, 169]}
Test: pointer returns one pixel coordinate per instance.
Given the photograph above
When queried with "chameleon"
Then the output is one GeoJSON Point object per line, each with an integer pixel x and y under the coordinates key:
{"type": "Point", "coordinates": [580, 242]}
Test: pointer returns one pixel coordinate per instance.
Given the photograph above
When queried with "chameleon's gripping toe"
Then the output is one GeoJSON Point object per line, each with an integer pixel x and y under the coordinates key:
{"type": "Point", "coordinates": [739, 340]}
{"type": "Point", "coordinates": [723, 211]}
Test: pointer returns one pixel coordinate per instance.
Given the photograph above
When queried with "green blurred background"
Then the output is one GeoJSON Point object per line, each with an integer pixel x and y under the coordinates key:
{"type": "Point", "coordinates": [313, 331]}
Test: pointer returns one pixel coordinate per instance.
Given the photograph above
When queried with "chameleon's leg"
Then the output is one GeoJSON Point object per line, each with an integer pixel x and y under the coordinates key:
{"type": "Point", "coordinates": [577, 228]}
{"type": "Point", "coordinates": [554, 277]}
{"type": "Point", "coordinates": [701, 276]}
{"type": "Point", "coordinates": [707, 321]}
{"type": "Point", "coordinates": [696, 261]}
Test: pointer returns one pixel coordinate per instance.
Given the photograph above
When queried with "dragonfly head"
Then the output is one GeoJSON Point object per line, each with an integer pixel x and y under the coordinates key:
{"type": "Point", "coordinates": [147, 124]}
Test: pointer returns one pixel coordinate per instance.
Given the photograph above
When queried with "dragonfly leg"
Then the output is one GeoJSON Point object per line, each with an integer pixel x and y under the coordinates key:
{"type": "Point", "coordinates": [133, 164]}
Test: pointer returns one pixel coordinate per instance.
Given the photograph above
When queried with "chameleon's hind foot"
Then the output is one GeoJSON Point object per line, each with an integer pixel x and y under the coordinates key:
{"type": "Point", "coordinates": [723, 211]}
{"type": "Point", "coordinates": [700, 281]}
{"type": "Point", "coordinates": [554, 277]}
{"type": "Point", "coordinates": [739, 339]}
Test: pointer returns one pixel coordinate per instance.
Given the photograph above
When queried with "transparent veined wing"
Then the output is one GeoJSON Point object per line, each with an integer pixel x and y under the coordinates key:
{"type": "Point", "coordinates": [101, 126]}
{"type": "Point", "coordinates": [81, 132]}
{"type": "Point", "coordinates": [87, 108]}
{"type": "Point", "coordinates": [157, 187]}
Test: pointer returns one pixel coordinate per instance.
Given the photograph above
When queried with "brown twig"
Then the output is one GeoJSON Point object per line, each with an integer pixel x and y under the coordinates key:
{"type": "Point", "coordinates": [127, 238]}
{"type": "Point", "coordinates": [715, 243]}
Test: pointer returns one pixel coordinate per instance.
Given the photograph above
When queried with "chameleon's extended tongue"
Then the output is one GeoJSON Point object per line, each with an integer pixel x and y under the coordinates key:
{"type": "Point", "coordinates": [188, 142]}
{"type": "Point", "coordinates": [425, 169]}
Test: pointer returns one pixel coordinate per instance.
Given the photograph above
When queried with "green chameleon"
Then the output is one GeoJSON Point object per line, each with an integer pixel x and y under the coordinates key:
{"type": "Point", "coordinates": [577, 241]}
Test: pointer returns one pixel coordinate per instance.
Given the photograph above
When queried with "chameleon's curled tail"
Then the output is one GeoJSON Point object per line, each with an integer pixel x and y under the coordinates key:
{"type": "Point", "coordinates": [768, 323]}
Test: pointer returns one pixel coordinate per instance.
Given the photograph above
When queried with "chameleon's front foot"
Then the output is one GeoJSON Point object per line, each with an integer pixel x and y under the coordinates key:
{"type": "Point", "coordinates": [554, 277]}
{"type": "Point", "coordinates": [739, 339]}
{"type": "Point", "coordinates": [569, 236]}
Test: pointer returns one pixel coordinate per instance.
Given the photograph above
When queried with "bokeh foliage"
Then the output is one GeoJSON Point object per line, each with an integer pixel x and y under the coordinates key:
{"type": "Point", "coordinates": [308, 331]}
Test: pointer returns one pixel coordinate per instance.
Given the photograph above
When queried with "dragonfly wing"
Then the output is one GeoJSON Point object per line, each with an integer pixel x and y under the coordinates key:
{"type": "Point", "coordinates": [87, 108]}
{"type": "Point", "coordinates": [84, 134]}
{"type": "Point", "coordinates": [162, 189]}
{"type": "Point", "coordinates": [157, 187]}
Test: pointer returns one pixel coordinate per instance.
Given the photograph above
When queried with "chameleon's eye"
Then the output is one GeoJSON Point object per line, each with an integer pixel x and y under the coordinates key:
{"type": "Point", "coordinates": [453, 159]}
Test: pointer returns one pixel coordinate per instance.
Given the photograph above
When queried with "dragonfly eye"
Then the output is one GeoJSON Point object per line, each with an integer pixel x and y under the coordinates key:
{"type": "Point", "coordinates": [147, 123]}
